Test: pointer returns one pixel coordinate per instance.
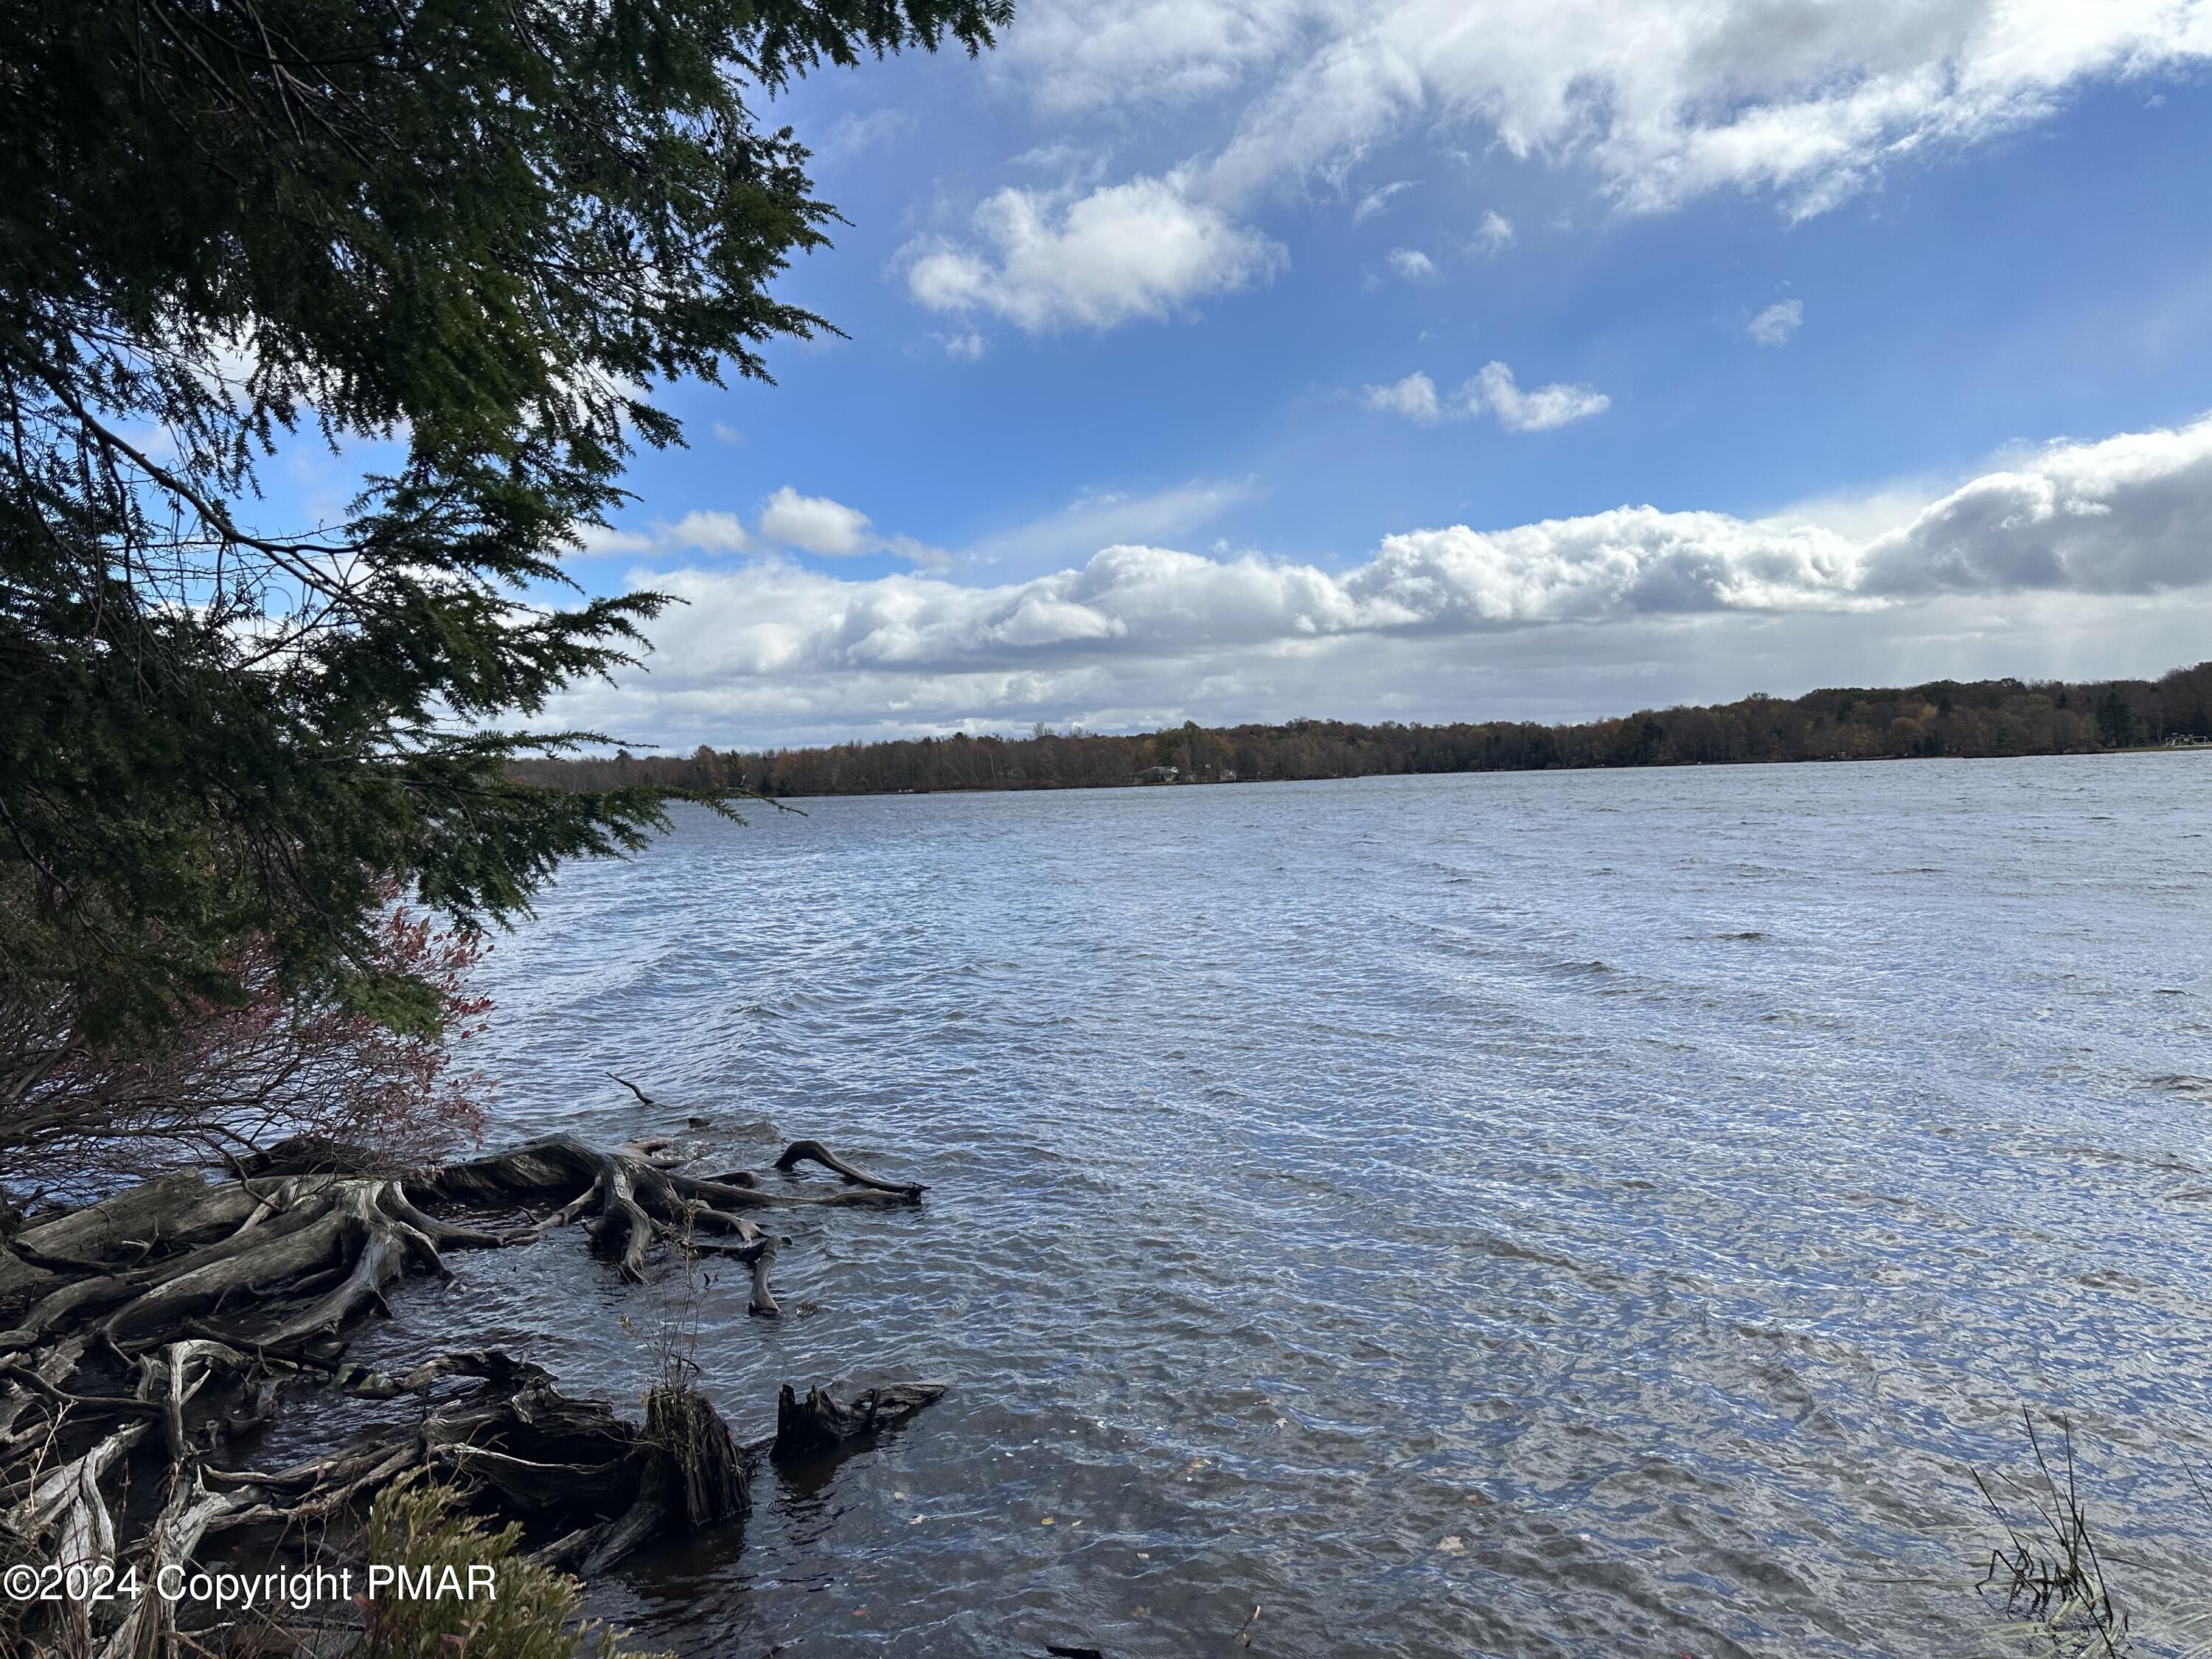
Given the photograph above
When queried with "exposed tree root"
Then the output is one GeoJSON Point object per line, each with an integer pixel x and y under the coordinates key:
{"type": "Point", "coordinates": [813, 1151]}
{"type": "Point", "coordinates": [67, 1501]}
{"type": "Point", "coordinates": [161, 1323]}
{"type": "Point", "coordinates": [149, 1626]}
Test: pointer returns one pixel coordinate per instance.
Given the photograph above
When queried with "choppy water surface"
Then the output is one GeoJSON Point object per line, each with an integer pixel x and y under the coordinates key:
{"type": "Point", "coordinates": [1569, 1213]}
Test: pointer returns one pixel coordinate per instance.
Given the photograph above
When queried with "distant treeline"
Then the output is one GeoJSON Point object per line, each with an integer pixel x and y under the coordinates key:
{"type": "Point", "coordinates": [1983, 718]}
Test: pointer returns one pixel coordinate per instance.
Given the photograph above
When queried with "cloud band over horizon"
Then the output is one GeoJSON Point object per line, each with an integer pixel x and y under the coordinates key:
{"type": "Point", "coordinates": [769, 650]}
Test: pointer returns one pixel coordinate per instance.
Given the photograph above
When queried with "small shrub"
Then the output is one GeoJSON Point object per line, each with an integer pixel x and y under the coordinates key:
{"type": "Point", "coordinates": [535, 1614]}
{"type": "Point", "coordinates": [228, 1076]}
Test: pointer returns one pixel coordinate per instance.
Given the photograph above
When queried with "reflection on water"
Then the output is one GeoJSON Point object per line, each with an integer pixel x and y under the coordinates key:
{"type": "Point", "coordinates": [1544, 1214]}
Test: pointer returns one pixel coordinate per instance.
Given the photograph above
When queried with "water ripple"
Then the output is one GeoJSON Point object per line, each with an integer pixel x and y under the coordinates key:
{"type": "Point", "coordinates": [1531, 1215]}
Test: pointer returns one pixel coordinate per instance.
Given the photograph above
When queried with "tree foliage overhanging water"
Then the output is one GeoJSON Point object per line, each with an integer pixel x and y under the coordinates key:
{"type": "Point", "coordinates": [476, 236]}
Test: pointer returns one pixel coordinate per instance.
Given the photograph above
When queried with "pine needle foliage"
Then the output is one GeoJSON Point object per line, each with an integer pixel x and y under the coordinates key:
{"type": "Point", "coordinates": [469, 235]}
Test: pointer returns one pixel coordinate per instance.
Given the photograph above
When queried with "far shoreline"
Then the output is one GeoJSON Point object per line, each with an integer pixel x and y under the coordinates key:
{"type": "Point", "coordinates": [1944, 719]}
{"type": "Point", "coordinates": [1643, 766]}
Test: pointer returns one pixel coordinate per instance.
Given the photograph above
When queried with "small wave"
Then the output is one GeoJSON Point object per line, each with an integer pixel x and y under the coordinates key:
{"type": "Point", "coordinates": [2182, 1084]}
{"type": "Point", "coordinates": [1749, 936]}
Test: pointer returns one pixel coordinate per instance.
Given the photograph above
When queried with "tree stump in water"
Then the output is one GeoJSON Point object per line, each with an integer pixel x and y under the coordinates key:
{"type": "Point", "coordinates": [690, 1477]}
{"type": "Point", "coordinates": [819, 1424]}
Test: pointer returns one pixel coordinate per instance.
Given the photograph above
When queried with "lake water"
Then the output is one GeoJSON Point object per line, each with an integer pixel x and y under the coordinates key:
{"type": "Point", "coordinates": [1540, 1214]}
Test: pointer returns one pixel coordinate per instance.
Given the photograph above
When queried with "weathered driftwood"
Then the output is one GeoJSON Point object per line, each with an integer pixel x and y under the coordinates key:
{"type": "Point", "coordinates": [148, 1627]}
{"type": "Point", "coordinates": [160, 1324]}
{"type": "Point", "coordinates": [327, 1246]}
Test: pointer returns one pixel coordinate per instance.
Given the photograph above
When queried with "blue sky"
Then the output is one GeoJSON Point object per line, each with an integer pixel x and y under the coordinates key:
{"type": "Point", "coordinates": [1897, 315]}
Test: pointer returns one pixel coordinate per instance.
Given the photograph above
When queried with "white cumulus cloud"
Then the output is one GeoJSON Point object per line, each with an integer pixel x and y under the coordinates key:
{"type": "Point", "coordinates": [709, 532]}
{"type": "Point", "coordinates": [1808, 102]}
{"type": "Point", "coordinates": [598, 540]}
{"type": "Point", "coordinates": [1774, 326]}
{"type": "Point", "coordinates": [698, 532]}
{"type": "Point", "coordinates": [1541, 408]}
{"type": "Point", "coordinates": [1412, 264]}
{"type": "Point", "coordinates": [1414, 397]}
{"type": "Point", "coordinates": [1538, 410]}
{"type": "Point", "coordinates": [1142, 249]}
{"type": "Point", "coordinates": [811, 523]}
{"type": "Point", "coordinates": [1807, 97]}
{"type": "Point", "coordinates": [2132, 514]}
{"type": "Point", "coordinates": [814, 524]}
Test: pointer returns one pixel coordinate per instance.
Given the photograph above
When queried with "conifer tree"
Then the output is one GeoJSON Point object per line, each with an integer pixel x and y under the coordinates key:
{"type": "Point", "coordinates": [477, 231]}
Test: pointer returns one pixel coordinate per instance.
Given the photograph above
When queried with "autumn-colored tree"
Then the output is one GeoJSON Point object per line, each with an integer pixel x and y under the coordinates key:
{"type": "Point", "coordinates": [232, 1074]}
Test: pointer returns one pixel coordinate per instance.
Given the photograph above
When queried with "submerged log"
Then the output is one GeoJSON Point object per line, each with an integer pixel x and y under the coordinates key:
{"type": "Point", "coordinates": [562, 1164]}
{"type": "Point", "coordinates": [634, 1201]}
{"type": "Point", "coordinates": [323, 1249]}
